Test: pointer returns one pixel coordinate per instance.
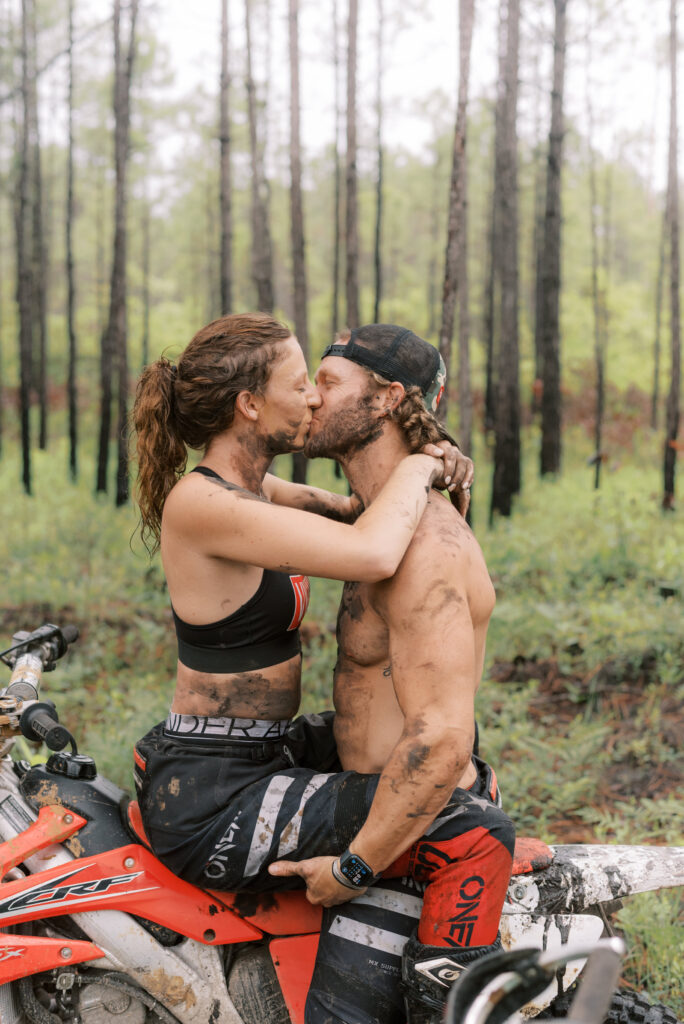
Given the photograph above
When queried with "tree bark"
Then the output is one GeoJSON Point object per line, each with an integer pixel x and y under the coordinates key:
{"type": "Point", "coordinates": [538, 243]}
{"type": "Point", "coordinates": [454, 261]}
{"type": "Point", "coordinates": [352, 215]}
{"type": "Point", "coordinates": [551, 412]}
{"type": "Point", "coordinates": [377, 252]}
{"type": "Point", "coordinates": [672, 406]}
{"type": "Point", "coordinates": [655, 393]}
{"type": "Point", "coordinates": [24, 281]}
{"type": "Point", "coordinates": [299, 461]}
{"type": "Point", "coordinates": [435, 219]}
{"type": "Point", "coordinates": [506, 479]}
{"type": "Point", "coordinates": [146, 255]}
{"type": "Point", "coordinates": [262, 249]}
{"type": "Point", "coordinates": [114, 355]}
{"type": "Point", "coordinates": [38, 249]}
{"type": "Point", "coordinates": [72, 388]}
{"type": "Point", "coordinates": [225, 180]}
{"type": "Point", "coordinates": [493, 274]}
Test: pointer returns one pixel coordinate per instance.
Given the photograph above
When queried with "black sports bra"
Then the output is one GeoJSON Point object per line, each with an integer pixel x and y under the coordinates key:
{"type": "Point", "coordinates": [262, 632]}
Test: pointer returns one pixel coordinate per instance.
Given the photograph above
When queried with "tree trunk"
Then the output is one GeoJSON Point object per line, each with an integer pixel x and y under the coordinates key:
{"type": "Point", "coordinates": [24, 282]}
{"type": "Point", "coordinates": [114, 356]}
{"type": "Point", "coordinates": [145, 342]}
{"type": "Point", "coordinates": [262, 250]}
{"type": "Point", "coordinates": [598, 289]}
{"type": "Point", "coordinates": [672, 407]}
{"type": "Point", "coordinates": [352, 215]}
{"type": "Point", "coordinates": [377, 255]}
{"type": "Point", "coordinates": [435, 219]}
{"type": "Point", "coordinates": [72, 390]}
{"type": "Point", "coordinates": [493, 275]}
{"type": "Point", "coordinates": [551, 414]}
{"type": "Point", "coordinates": [506, 480]}
{"type": "Point", "coordinates": [596, 302]}
{"type": "Point", "coordinates": [100, 268]}
{"type": "Point", "coordinates": [299, 461]}
{"type": "Point", "coordinates": [38, 250]}
{"type": "Point", "coordinates": [337, 214]}
{"type": "Point", "coordinates": [457, 227]}
{"type": "Point", "coordinates": [538, 244]}
{"type": "Point", "coordinates": [655, 394]}
{"type": "Point", "coordinates": [225, 183]}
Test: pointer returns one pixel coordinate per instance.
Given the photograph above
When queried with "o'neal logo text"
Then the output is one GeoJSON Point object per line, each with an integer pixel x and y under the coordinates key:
{"type": "Point", "coordinates": [53, 893]}
{"type": "Point", "coordinates": [462, 924]}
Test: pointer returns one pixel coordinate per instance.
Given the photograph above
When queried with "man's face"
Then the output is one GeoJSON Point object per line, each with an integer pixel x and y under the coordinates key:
{"type": "Point", "coordinates": [350, 414]}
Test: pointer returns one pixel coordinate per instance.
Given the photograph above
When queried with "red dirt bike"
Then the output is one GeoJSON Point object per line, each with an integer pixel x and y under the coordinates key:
{"type": "Point", "coordinates": [95, 930]}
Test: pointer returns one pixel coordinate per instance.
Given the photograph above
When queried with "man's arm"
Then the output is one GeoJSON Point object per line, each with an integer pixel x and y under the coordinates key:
{"type": "Point", "coordinates": [432, 654]}
{"type": "Point", "coordinates": [341, 507]}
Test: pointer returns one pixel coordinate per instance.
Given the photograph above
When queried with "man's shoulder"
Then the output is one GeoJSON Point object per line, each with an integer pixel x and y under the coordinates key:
{"type": "Point", "coordinates": [443, 547]}
{"type": "Point", "coordinates": [442, 530]}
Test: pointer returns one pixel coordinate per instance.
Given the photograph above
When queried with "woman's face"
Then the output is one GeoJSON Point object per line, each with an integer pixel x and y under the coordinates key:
{"type": "Point", "coordinates": [289, 399]}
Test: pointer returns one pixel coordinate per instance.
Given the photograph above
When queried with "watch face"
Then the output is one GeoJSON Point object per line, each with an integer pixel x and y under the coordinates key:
{"type": "Point", "coordinates": [355, 869]}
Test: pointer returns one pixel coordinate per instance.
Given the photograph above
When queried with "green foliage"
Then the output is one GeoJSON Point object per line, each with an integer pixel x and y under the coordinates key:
{"type": "Point", "coordinates": [581, 578]}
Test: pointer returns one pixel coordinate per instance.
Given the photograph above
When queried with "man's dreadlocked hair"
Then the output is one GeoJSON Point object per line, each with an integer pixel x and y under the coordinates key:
{"type": "Point", "coordinates": [418, 424]}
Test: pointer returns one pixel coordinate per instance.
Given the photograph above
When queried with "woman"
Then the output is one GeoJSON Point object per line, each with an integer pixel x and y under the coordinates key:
{"type": "Point", "coordinates": [223, 779]}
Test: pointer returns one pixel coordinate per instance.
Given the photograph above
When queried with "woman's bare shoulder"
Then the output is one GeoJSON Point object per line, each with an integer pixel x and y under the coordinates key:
{"type": "Point", "coordinates": [200, 498]}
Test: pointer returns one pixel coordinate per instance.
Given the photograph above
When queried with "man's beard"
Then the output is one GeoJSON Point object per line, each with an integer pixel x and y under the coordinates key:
{"type": "Point", "coordinates": [347, 433]}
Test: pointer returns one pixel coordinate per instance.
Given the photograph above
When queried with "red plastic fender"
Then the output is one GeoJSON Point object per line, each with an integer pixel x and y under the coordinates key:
{"type": "Point", "coordinates": [131, 879]}
{"type": "Point", "coordinates": [277, 913]}
{"type": "Point", "coordinates": [53, 825]}
{"type": "Point", "coordinates": [293, 959]}
{"type": "Point", "coordinates": [29, 954]}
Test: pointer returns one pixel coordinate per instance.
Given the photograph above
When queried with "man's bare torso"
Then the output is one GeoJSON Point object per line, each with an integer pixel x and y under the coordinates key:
{"type": "Point", "coordinates": [369, 720]}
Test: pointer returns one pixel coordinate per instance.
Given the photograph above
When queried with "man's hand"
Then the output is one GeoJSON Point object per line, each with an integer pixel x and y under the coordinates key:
{"type": "Point", "coordinates": [459, 473]}
{"type": "Point", "coordinates": [321, 885]}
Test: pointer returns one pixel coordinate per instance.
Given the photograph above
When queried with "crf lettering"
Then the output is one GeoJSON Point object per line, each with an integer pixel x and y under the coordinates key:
{"type": "Point", "coordinates": [47, 894]}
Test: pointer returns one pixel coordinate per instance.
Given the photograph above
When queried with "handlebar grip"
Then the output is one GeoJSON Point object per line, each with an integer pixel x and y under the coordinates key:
{"type": "Point", "coordinates": [40, 723]}
{"type": "Point", "coordinates": [70, 633]}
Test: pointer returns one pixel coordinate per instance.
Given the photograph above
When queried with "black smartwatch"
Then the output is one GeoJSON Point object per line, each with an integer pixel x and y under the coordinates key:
{"type": "Point", "coordinates": [356, 874]}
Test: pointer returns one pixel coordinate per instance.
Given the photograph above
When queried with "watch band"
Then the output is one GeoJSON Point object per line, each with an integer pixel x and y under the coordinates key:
{"type": "Point", "coordinates": [339, 877]}
{"type": "Point", "coordinates": [357, 874]}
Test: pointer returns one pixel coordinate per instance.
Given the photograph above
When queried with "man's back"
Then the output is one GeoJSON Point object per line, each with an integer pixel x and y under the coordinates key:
{"type": "Point", "coordinates": [415, 639]}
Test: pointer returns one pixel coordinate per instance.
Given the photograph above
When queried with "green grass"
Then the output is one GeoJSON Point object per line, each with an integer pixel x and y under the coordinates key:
{"type": "Point", "coordinates": [593, 582]}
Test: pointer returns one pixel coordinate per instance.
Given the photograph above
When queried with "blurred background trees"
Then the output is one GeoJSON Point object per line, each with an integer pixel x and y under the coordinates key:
{"type": "Point", "coordinates": [134, 211]}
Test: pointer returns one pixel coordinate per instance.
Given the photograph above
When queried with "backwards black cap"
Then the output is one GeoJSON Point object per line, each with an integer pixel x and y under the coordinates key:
{"type": "Point", "coordinates": [397, 354]}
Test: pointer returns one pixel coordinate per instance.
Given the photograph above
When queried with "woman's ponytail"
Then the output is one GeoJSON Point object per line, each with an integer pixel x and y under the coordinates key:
{"type": "Point", "coordinates": [161, 453]}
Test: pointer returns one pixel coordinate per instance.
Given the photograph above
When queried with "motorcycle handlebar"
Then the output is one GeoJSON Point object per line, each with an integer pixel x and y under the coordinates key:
{"type": "Point", "coordinates": [48, 643]}
{"type": "Point", "coordinates": [40, 723]}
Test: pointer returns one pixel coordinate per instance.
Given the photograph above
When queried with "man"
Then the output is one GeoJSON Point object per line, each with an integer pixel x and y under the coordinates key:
{"type": "Point", "coordinates": [410, 658]}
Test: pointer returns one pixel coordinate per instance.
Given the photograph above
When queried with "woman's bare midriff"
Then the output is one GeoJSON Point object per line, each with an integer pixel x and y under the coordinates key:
{"type": "Point", "coordinates": [269, 694]}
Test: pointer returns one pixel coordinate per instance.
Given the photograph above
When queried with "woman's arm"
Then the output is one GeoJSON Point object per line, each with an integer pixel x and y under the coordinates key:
{"type": "Point", "coordinates": [203, 515]}
{"type": "Point", "coordinates": [457, 476]}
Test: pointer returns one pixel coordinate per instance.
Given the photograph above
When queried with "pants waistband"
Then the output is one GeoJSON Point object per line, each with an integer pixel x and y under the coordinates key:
{"type": "Point", "coordinates": [240, 730]}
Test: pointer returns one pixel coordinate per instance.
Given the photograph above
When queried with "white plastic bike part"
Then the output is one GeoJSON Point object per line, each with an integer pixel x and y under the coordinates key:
{"type": "Point", "coordinates": [551, 934]}
{"type": "Point", "coordinates": [583, 875]}
{"type": "Point", "coordinates": [602, 980]}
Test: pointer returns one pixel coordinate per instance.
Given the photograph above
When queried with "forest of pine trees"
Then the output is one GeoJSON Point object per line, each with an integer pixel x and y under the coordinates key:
{"type": "Point", "coordinates": [526, 241]}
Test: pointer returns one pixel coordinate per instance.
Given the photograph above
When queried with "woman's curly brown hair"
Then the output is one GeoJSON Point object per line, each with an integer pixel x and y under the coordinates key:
{"type": "Point", "coordinates": [186, 406]}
